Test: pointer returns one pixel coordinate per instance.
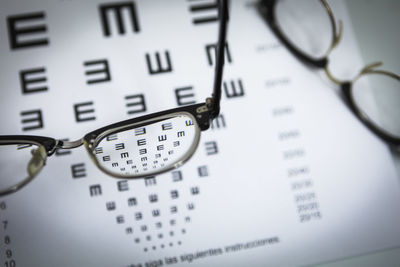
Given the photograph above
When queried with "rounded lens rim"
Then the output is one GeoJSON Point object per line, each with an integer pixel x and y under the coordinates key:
{"type": "Point", "coordinates": [347, 88]}
{"type": "Point", "coordinates": [18, 186]}
{"type": "Point", "coordinates": [267, 9]}
{"type": "Point", "coordinates": [90, 147]}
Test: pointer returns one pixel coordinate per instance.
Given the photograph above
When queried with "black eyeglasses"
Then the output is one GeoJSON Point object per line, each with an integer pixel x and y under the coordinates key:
{"type": "Point", "coordinates": [135, 148]}
{"type": "Point", "coordinates": [309, 30]}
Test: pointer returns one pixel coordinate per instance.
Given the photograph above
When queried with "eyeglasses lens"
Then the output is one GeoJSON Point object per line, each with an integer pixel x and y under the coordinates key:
{"type": "Point", "coordinates": [149, 149]}
{"type": "Point", "coordinates": [378, 97]}
{"type": "Point", "coordinates": [14, 162]}
{"type": "Point", "coordinates": [306, 24]}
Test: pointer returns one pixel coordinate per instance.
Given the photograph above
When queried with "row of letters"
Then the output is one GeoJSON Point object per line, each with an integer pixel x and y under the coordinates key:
{"type": "Point", "coordinates": [34, 79]}
{"type": "Point", "coordinates": [29, 29]}
{"type": "Point", "coordinates": [85, 111]}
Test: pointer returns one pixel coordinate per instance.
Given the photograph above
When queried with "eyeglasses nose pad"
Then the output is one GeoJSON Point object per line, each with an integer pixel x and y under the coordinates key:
{"type": "Point", "coordinates": [37, 161]}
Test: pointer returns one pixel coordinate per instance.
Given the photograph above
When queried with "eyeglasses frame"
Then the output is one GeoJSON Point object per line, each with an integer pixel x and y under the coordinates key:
{"type": "Point", "coordinates": [203, 113]}
{"type": "Point", "coordinates": [266, 9]}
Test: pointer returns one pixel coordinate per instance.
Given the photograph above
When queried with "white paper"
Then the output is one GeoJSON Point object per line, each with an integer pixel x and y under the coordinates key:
{"type": "Point", "coordinates": [297, 179]}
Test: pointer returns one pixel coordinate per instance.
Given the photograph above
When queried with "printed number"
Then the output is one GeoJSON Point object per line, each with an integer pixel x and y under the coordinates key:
{"type": "Point", "coordinates": [5, 224]}
{"type": "Point", "coordinates": [7, 240]}
{"type": "Point", "coordinates": [10, 263]}
{"type": "Point", "coordinates": [3, 205]}
{"type": "Point", "coordinates": [8, 253]}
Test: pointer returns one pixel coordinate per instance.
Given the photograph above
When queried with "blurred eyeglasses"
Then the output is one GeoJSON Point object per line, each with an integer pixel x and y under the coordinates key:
{"type": "Point", "coordinates": [309, 30]}
{"type": "Point", "coordinates": [135, 148]}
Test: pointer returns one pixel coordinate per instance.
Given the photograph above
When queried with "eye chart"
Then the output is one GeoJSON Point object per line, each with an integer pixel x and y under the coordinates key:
{"type": "Point", "coordinates": [285, 176]}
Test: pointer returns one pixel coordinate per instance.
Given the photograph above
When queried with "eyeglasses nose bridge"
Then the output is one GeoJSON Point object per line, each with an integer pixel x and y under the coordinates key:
{"type": "Point", "coordinates": [69, 144]}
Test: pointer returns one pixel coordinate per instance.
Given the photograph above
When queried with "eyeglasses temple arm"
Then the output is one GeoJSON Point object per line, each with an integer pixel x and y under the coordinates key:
{"type": "Point", "coordinates": [213, 103]}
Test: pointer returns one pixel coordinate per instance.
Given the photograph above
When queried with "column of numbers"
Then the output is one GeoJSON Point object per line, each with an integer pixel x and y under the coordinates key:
{"type": "Point", "coordinates": [8, 252]}
{"type": "Point", "coordinates": [297, 170]}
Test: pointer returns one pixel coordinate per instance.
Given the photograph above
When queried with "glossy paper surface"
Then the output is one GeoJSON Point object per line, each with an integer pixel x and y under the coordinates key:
{"type": "Point", "coordinates": [286, 176]}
